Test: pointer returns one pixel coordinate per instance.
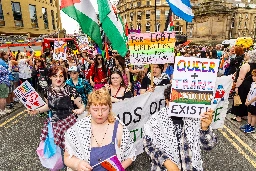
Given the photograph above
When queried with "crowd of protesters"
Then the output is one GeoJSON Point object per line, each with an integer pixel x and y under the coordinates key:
{"type": "Point", "coordinates": [68, 86]}
{"type": "Point", "coordinates": [93, 71]}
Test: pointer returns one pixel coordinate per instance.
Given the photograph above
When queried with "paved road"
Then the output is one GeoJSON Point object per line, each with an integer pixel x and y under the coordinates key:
{"type": "Point", "coordinates": [19, 138]}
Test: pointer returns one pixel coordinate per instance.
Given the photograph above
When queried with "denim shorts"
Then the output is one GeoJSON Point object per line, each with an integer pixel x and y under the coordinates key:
{"type": "Point", "coordinates": [15, 76]}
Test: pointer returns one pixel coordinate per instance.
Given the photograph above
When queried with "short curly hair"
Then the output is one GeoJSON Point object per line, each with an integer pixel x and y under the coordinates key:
{"type": "Point", "coordinates": [101, 97]}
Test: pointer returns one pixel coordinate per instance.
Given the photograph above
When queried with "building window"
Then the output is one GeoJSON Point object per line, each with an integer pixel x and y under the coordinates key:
{"type": "Point", "coordinates": [139, 13]}
{"type": "Point", "coordinates": [138, 4]}
{"type": "Point", "coordinates": [2, 23]}
{"type": "Point", "coordinates": [131, 16]}
{"type": "Point", "coordinates": [51, 1]}
{"type": "Point", "coordinates": [178, 29]}
{"type": "Point", "coordinates": [147, 15]}
{"type": "Point", "coordinates": [148, 27]}
{"type": "Point", "coordinates": [53, 20]}
{"type": "Point", "coordinates": [45, 18]}
{"type": "Point", "coordinates": [17, 15]}
{"type": "Point", "coordinates": [176, 17]}
{"type": "Point", "coordinates": [245, 24]}
{"type": "Point", "coordinates": [131, 26]}
{"type": "Point", "coordinates": [232, 24]}
{"type": "Point", "coordinates": [33, 16]}
{"type": "Point", "coordinates": [138, 26]}
{"type": "Point", "coordinates": [158, 2]}
{"type": "Point", "coordinates": [148, 3]}
{"type": "Point", "coordinates": [166, 14]}
{"type": "Point", "coordinates": [158, 27]}
{"type": "Point", "coordinates": [158, 13]}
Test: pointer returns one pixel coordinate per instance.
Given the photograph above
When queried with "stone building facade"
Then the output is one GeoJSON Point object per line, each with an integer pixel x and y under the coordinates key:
{"type": "Point", "coordinates": [218, 20]}
{"type": "Point", "coordinates": [35, 17]}
{"type": "Point", "coordinates": [140, 15]}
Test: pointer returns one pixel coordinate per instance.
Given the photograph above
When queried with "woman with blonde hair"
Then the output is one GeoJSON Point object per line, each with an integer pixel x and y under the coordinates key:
{"type": "Point", "coordinates": [98, 136]}
{"type": "Point", "coordinates": [24, 68]}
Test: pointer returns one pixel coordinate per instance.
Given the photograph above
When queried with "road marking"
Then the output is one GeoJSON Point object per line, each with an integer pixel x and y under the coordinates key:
{"type": "Point", "coordinates": [253, 163]}
{"type": "Point", "coordinates": [12, 118]}
{"type": "Point", "coordinates": [240, 141]}
{"type": "Point", "coordinates": [12, 123]}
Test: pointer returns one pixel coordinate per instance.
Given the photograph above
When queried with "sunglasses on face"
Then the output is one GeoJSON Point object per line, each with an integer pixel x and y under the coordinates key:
{"type": "Point", "coordinates": [99, 58]}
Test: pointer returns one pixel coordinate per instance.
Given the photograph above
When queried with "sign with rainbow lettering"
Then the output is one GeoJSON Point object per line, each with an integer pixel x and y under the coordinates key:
{"type": "Point", "coordinates": [152, 48]}
{"type": "Point", "coordinates": [28, 96]}
{"type": "Point", "coordinates": [192, 86]}
{"type": "Point", "coordinates": [60, 49]}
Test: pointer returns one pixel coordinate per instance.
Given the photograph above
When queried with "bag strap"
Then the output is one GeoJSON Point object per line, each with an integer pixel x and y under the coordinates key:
{"type": "Point", "coordinates": [117, 91]}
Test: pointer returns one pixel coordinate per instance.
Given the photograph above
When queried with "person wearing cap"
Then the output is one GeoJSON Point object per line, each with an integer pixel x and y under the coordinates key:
{"type": "Point", "coordinates": [175, 143]}
{"type": "Point", "coordinates": [81, 85]}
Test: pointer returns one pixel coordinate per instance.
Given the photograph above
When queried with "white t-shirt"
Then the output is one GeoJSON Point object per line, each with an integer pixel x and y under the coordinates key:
{"type": "Point", "coordinates": [24, 69]}
{"type": "Point", "coordinates": [252, 93]}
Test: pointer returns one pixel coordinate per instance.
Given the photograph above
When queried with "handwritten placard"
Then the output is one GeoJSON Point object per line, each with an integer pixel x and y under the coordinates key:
{"type": "Point", "coordinates": [83, 43]}
{"type": "Point", "coordinates": [152, 48]}
{"type": "Point", "coordinates": [28, 96]}
{"type": "Point", "coordinates": [192, 86]}
{"type": "Point", "coordinates": [60, 49]}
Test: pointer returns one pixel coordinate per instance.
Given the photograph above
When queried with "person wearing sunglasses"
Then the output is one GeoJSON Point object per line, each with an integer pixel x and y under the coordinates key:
{"type": "Point", "coordinates": [98, 73]}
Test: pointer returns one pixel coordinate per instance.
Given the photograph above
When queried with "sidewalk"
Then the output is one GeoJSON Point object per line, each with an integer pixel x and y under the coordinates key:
{"type": "Point", "coordinates": [16, 107]}
{"type": "Point", "coordinates": [238, 125]}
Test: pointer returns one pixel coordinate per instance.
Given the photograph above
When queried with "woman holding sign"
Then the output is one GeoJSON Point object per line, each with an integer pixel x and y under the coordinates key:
{"type": "Point", "coordinates": [159, 79]}
{"type": "Point", "coordinates": [99, 137]}
{"type": "Point", "coordinates": [174, 143]}
{"type": "Point", "coordinates": [60, 99]}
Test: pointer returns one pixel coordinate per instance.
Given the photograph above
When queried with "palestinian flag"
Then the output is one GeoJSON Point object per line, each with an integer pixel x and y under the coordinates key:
{"type": "Point", "coordinates": [84, 13]}
{"type": "Point", "coordinates": [171, 25]}
{"type": "Point", "coordinates": [112, 27]}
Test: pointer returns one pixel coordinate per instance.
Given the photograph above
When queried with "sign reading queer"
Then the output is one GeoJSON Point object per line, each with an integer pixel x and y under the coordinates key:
{"type": "Point", "coordinates": [60, 49]}
{"type": "Point", "coordinates": [192, 86]}
{"type": "Point", "coordinates": [28, 96]}
{"type": "Point", "coordinates": [152, 48]}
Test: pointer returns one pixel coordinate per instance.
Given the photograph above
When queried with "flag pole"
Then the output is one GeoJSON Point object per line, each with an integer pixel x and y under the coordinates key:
{"type": "Point", "coordinates": [151, 66]}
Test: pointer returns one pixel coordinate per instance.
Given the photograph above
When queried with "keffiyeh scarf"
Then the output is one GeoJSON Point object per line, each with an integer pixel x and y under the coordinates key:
{"type": "Point", "coordinates": [161, 130]}
{"type": "Point", "coordinates": [158, 80]}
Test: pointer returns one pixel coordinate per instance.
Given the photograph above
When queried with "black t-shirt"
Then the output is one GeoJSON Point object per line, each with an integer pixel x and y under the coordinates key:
{"type": "Point", "coordinates": [146, 82]}
{"type": "Point", "coordinates": [60, 101]}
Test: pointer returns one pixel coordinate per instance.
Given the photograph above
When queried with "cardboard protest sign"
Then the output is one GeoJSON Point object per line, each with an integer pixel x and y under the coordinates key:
{"type": "Point", "coordinates": [60, 49]}
{"type": "Point", "coordinates": [220, 101]}
{"type": "Point", "coordinates": [28, 96]}
{"type": "Point", "coordinates": [83, 43]}
{"type": "Point", "coordinates": [136, 111]}
{"type": "Point", "coordinates": [192, 86]}
{"type": "Point", "coordinates": [152, 48]}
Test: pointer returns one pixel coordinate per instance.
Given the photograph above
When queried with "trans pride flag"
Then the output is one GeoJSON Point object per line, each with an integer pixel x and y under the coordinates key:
{"type": "Point", "coordinates": [112, 164]}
